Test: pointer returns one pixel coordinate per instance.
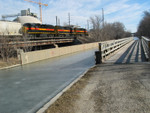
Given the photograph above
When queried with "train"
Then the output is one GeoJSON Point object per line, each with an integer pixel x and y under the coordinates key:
{"type": "Point", "coordinates": [30, 26]}
{"type": "Point", "coordinates": [37, 30]}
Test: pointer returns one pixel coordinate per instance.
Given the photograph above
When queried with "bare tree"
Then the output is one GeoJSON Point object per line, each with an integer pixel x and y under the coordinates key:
{"type": "Point", "coordinates": [144, 25]}
{"type": "Point", "coordinates": [27, 46]}
{"type": "Point", "coordinates": [127, 33]}
{"type": "Point", "coordinates": [119, 30]}
{"type": "Point", "coordinates": [96, 31]}
{"type": "Point", "coordinates": [108, 31]}
{"type": "Point", "coordinates": [7, 50]}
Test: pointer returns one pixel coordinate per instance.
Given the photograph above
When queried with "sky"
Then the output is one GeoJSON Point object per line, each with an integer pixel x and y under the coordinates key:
{"type": "Point", "coordinates": [128, 12]}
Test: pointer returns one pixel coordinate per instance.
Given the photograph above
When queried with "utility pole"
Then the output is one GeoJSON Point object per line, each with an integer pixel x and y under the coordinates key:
{"type": "Point", "coordinates": [87, 24]}
{"type": "Point", "coordinates": [56, 21]}
{"type": "Point", "coordinates": [69, 18]}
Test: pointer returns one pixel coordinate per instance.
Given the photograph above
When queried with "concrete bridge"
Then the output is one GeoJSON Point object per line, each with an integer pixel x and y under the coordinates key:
{"type": "Point", "coordinates": [28, 88]}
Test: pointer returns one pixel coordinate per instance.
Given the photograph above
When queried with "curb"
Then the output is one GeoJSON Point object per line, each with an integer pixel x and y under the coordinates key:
{"type": "Point", "coordinates": [48, 104]}
{"type": "Point", "coordinates": [10, 66]}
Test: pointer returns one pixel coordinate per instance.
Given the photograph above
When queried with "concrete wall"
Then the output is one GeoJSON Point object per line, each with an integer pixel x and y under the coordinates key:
{"type": "Point", "coordinates": [34, 56]}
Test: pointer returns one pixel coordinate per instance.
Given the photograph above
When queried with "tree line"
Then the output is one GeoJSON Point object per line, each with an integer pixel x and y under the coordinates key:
{"type": "Point", "coordinates": [102, 31]}
{"type": "Point", "coordinates": [144, 25]}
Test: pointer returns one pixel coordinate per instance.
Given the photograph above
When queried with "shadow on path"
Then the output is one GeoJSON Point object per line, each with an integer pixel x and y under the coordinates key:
{"type": "Point", "coordinates": [143, 58]}
{"type": "Point", "coordinates": [122, 57]}
{"type": "Point", "coordinates": [136, 45]}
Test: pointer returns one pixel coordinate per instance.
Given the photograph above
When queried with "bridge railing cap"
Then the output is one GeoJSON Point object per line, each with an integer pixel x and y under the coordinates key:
{"type": "Point", "coordinates": [145, 38]}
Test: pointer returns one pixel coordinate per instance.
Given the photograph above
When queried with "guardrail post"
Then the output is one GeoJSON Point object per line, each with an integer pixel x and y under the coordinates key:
{"type": "Point", "coordinates": [98, 55]}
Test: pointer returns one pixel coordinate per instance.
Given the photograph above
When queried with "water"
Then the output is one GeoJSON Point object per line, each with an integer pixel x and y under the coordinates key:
{"type": "Point", "coordinates": [27, 88]}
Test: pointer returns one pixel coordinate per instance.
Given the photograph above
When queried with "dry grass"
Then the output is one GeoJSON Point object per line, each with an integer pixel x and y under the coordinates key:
{"type": "Point", "coordinates": [65, 104]}
{"type": "Point", "coordinates": [12, 61]}
{"type": "Point", "coordinates": [86, 39]}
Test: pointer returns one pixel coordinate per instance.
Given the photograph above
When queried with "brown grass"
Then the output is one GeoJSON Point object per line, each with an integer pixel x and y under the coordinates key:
{"type": "Point", "coordinates": [12, 61]}
{"type": "Point", "coordinates": [85, 39]}
{"type": "Point", "coordinates": [65, 104]}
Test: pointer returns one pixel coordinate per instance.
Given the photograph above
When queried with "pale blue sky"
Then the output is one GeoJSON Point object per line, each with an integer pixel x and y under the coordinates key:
{"type": "Point", "coordinates": [129, 12]}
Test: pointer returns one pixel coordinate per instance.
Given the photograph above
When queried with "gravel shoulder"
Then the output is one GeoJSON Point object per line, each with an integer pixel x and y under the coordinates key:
{"type": "Point", "coordinates": [115, 88]}
{"type": "Point", "coordinates": [123, 88]}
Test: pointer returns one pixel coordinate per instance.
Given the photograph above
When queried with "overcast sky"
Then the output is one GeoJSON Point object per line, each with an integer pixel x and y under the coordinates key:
{"type": "Point", "coordinates": [129, 12]}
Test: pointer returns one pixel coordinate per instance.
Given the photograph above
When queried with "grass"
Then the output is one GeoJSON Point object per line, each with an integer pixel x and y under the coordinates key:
{"type": "Point", "coordinates": [12, 61]}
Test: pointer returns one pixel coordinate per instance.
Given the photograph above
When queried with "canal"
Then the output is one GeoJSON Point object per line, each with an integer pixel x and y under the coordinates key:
{"type": "Point", "coordinates": [25, 89]}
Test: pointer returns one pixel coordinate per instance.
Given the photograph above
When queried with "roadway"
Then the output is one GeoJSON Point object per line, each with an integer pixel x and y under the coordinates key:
{"type": "Point", "coordinates": [25, 89]}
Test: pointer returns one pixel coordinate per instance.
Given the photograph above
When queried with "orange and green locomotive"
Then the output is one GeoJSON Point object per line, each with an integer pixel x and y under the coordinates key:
{"type": "Point", "coordinates": [52, 31]}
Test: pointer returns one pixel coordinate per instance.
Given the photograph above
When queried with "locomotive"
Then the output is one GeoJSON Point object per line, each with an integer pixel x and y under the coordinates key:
{"type": "Point", "coordinates": [37, 30]}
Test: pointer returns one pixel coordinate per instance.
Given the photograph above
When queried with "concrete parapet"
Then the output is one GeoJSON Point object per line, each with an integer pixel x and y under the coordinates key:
{"type": "Point", "coordinates": [34, 56]}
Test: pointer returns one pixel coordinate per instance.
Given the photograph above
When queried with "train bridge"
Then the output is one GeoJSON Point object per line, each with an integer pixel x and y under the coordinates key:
{"type": "Point", "coordinates": [122, 78]}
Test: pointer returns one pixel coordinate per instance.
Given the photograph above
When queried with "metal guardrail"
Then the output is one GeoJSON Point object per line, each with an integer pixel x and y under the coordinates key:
{"type": "Point", "coordinates": [108, 47]}
{"type": "Point", "coordinates": [146, 46]}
